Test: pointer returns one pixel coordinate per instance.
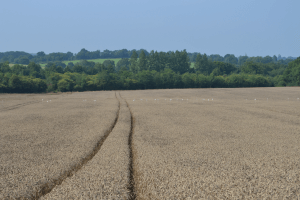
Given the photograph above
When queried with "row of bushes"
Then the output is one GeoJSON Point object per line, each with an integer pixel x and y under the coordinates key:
{"type": "Point", "coordinates": [126, 81]}
{"type": "Point", "coordinates": [151, 80]}
{"type": "Point", "coordinates": [21, 84]}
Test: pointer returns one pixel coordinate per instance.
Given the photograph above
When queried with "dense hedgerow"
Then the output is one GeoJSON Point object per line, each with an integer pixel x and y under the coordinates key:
{"type": "Point", "coordinates": [90, 76]}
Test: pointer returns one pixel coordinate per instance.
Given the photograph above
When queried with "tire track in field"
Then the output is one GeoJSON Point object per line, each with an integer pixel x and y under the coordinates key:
{"type": "Point", "coordinates": [132, 172]}
{"type": "Point", "coordinates": [18, 106]}
{"type": "Point", "coordinates": [47, 187]}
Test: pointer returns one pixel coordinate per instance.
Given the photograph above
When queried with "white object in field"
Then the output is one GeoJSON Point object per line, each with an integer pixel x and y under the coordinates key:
{"type": "Point", "coordinates": [182, 99]}
{"type": "Point", "coordinates": [133, 99]}
{"type": "Point", "coordinates": [94, 100]}
{"type": "Point", "coordinates": [165, 99]}
{"type": "Point", "coordinates": [254, 99]}
{"type": "Point", "coordinates": [207, 99]}
{"type": "Point", "coordinates": [47, 101]}
{"type": "Point", "coordinates": [50, 99]}
{"type": "Point", "coordinates": [170, 99]}
{"type": "Point", "coordinates": [212, 99]}
{"type": "Point", "coordinates": [297, 98]}
{"type": "Point", "coordinates": [155, 99]}
{"type": "Point", "coordinates": [42, 99]}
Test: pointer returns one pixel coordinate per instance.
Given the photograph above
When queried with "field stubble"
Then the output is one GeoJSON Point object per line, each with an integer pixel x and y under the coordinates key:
{"type": "Point", "coordinates": [231, 147]}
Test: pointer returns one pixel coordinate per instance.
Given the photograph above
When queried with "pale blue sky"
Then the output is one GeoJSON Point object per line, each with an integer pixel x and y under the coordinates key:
{"type": "Point", "coordinates": [252, 27]}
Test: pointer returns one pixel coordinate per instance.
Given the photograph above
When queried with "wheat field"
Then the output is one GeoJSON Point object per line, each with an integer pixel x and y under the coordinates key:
{"type": "Point", "coordinates": [41, 142]}
{"type": "Point", "coordinates": [106, 176]}
{"type": "Point", "coordinates": [240, 143]}
{"type": "Point", "coordinates": [216, 143]}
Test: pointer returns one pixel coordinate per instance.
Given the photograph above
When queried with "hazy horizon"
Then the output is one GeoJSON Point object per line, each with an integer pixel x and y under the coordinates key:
{"type": "Point", "coordinates": [254, 27]}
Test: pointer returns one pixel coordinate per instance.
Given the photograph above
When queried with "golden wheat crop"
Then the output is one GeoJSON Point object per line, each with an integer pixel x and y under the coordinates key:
{"type": "Point", "coordinates": [240, 143]}
{"type": "Point", "coordinates": [106, 176]}
{"type": "Point", "coordinates": [43, 141]}
{"type": "Point", "coordinates": [216, 143]}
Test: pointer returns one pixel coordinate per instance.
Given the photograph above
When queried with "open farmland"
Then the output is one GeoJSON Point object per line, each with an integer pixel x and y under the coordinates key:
{"type": "Point", "coordinates": [107, 175]}
{"type": "Point", "coordinates": [42, 142]}
{"type": "Point", "coordinates": [151, 144]}
{"type": "Point", "coordinates": [231, 147]}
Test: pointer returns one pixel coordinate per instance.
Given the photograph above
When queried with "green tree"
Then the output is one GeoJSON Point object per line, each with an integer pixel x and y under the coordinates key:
{"type": "Point", "coordinates": [230, 58]}
{"type": "Point", "coordinates": [15, 83]}
{"type": "Point", "coordinates": [59, 69]}
{"type": "Point", "coordinates": [142, 63]}
{"type": "Point", "coordinates": [70, 64]}
{"type": "Point", "coordinates": [291, 74]}
{"type": "Point", "coordinates": [40, 85]}
{"type": "Point", "coordinates": [179, 62]}
{"type": "Point", "coordinates": [108, 62]}
{"type": "Point", "coordinates": [216, 57]}
{"type": "Point", "coordinates": [188, 80]}
{"type": "Point", "coordinates": [224, 68]}
{"type": "Point", "coordinates": [4, 67]}
{"type": "Point", "coordinates": [4, 59]}
{"type": "Point", "coordinates": [252, 68]}
{"type": "Point", "coordinates": [23, 60]}
{"type": "Point", "coordinates": [65, 85]}
{"type": "Point", "coordinates": [40, 54]}
{"type": "Point", "coordinates": [145, 78]}
{"type": "Point", "coordinates": [34, 67]}
{"type": "Point", "coordinates": [110, 69]}
{"type": "Point", "coordinates": [124, 62]}
{"type": "Point", "coordinates": [67, 69]}
{"type": "Point", "coordinates": [198, 62]}
{"type": "Point", "coordinates": [203, 81]}
{"type": "Point", "coordinates": [242, 60]}
{"type": "Point", "coordinates": [202, 64]}
{"type": "Point", "coordinates": [267, 59]}
{"type": "Point", "coordinates": [133, 62]}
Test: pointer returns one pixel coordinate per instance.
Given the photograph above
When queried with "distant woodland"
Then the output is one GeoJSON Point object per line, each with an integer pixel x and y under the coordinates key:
{"type": "Point", "coordinates": [21, 72]}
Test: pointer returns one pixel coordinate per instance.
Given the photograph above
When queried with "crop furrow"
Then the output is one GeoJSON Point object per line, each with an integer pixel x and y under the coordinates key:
{"type": "Point", "coordinates": [131, 185]}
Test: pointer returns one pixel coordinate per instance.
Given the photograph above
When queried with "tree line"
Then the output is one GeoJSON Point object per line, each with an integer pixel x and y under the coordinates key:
{"type": "Point", "coordinates": [154, 70]}
{"type": "Point", "coordinates": [19, 57]}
